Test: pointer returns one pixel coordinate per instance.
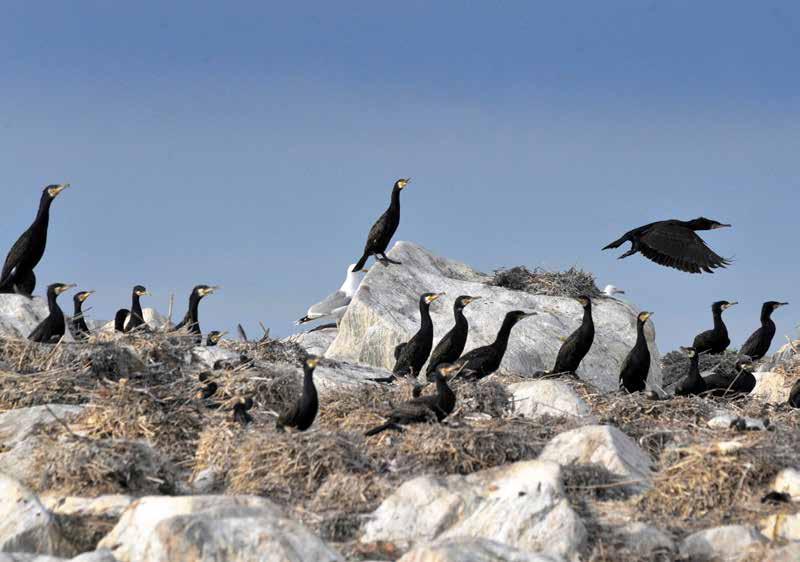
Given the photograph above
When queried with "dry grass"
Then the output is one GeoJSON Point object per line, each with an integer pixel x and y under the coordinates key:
{"type": "Point", "coordinates": [573, 282]}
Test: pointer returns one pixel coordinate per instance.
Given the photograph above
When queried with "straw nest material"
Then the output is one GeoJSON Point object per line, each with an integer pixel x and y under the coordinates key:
{"type": "Point", "coordinates": [570, 283]}
{"type": "Point", "coordinates": [675, 365]}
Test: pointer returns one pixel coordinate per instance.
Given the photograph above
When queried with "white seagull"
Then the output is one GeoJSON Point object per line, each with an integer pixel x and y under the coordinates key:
{"type": "Point", "coordinates": [611, 290]}
{"type": "Point", "coordinates": [335, 304]}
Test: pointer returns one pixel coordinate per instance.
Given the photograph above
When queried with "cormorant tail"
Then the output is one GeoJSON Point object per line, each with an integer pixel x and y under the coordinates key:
{"type": "Point", "coordinates": [381, 428]}
{"type": "Point", "coordinates": [361, 263]}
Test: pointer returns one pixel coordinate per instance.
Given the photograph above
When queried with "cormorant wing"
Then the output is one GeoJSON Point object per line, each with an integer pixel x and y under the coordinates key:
{"type": "Point", "coordinates": [14, 256]}
{"type": "Point", "coordinates": [677, 246]}
{"type": "Point", "coordinates": [749, 347]}
{"type": "Point", "coordinates": [477, 359]}
{"type": "Point", "coordinates": [38, 333]}
{"type": "Point", "coordinates": [378, 230]}
{"type": "Point", "coordinates": [398, 350]}
{"type": "Point", "coordinates": [567, 349]}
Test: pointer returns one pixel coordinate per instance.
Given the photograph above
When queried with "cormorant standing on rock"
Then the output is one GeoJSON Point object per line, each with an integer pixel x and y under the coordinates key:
{"type": "Point", "coordinates": [716, 340]}
{"type": "Point", "coordinates": [80, 331]}
{"type": "Point", "coordinates": [382, 231]}
{"type": "Point", "coordinates": [757, 345]}
{"type": "Point", "coordinates": [119, 320]}
{"type": "Point", "coordinates": [137, 316]}
{"type": "Point", "coordinates": [483, 361]}
{"type": "Point", "coordinates": [26, 253]}
{"type": "Point", "coordinates": [578, 344]}
{"type": "Point", "coordinates": [693, 383]}
{"type": "Point", "coordinates": [52, 328]}
{"type": "Point", "coordinates": [416, 351]}
{"type": "Point", "coordinates": [241, 411]}
{"type": "Point", "coordinates": [214, 337]}
{"type": "Point", "coordinates": [635, 368]}
{"type": "Point", "coordinates": [743, 383]}
{"type": "Point", "coordinates": [190, 320]}
{"type": "Point", "coordinates": [674, 243]}
{"type": "Point", "coordinates": [451, 346]}
{"type": "Point", "coordinates": [303, 412]}
{"type": "Point", "coordinates": [423, 409]}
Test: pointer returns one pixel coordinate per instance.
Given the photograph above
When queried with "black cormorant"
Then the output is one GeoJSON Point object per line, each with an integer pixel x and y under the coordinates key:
{"type": "Point", "coordinates": [79, 329]}
{"type": "Point", "coordinates": [416, 351]}
{"type": "Point", "coordinates": [190, 320]}
{"type": "Point", "coordinates": [633, 375]}
{"type": "Point", "coordinates": [693, 383]}
{"type": "Point", "coordinates": [483, 361]}
{"type": "Point", "coordinates": [757, 345]}
{"type": "Point", "coordinates": [794, 395]}
{"type": "Point", "coordinates": [214, 337]}
{"type": "Point", "coordinates": [17, 275]}
{"type": "Point", "coordinates": [52, 328]}
{"type": "Point", "coordinates": [303, 412]}
{"type": "Point", "coordinates": [137, 316]}
{"type": "Point", "coordinates": [435, 407]}
{"type": "Point", "coordinates": [578, 344]}
{"type": "Point", "coordinates": [451, 346]}
{"type": "Point", "coordinates": [241, 412]}
{"type": "Point", "coordinates": [719, 384]}
{"type": "Point", "coordinates": [382, 231]}
{"type": "Point", "coordinates": [674, 243]}
{"type": "Point", "coordinates": [120, 318]}
{"type": "Point", "coordinates": [715, 340]}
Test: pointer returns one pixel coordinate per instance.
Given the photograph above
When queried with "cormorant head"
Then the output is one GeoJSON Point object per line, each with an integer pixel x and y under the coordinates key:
{"type": "Point", "coordinates": [82, 296]}
{"type": "Point", "coordinates": [310, 363]}
{"type": "Point", "coordinates": [774, 305]}
{"type": "Point", "coordinates": [585, 300]}
{"type": "Point", "coordinates": [720, 306]}
{"type": "Point", "coordinates": [201, 291]}
{"type": "Point", "coordinates": [689, 351]}
{"type": "Point", "coordinates": [702, 223]}
{"type": "Point", "coordinates": [140, 291]}
{"type": "Point", "coordinates": [402, 183]}
{"type": "Point", "coordinates": [464, 300]}
{"type": "Point", "coordinates": [428, 298]}
{"type": "Point", "coordinates": [58, 288]}
{"type": "Point", "coordinates": [517, 315]}
{"type": "Point", "coordinates": [52, 191]}
{"type": "Point", "coordinates": [215, 336]}
{"type": "Point", "coordinates": [744, 363]}
{"type": "Point", "coordinates": [447, 371]}
{"type": "Point", "coordinates": [644, 316]}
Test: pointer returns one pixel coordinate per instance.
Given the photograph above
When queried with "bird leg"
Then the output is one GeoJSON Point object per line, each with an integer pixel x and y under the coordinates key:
{"type": "Point", "coordinates": [385, 260]}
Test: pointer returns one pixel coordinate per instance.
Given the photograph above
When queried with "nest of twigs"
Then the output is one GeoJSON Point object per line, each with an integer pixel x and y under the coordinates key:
{"type": "Point", "coordinates": [675, 365]}
{"type": "Point", "coordinates": [573, 282]}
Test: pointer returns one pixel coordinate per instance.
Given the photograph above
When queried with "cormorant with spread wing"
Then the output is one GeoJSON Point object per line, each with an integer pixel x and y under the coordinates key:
{"type": "Point", "coordinates": [382, 231]}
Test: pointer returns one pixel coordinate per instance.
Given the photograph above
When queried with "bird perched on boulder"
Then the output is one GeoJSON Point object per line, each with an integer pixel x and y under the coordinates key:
{"type": "Point", "coordinates": [17, 275]}
{"type": "Point", "coordinates": [334, 305]}
{"type": "Point", "coordinates": [424, 409]}
{"type": "Point", "coordinates": [451, 346]}
{"type": "Point", "coordinates": [191, 321]}
{"type": "Point", "coordinates": [578, 344]}
{"type": "Point", "coordinates": [636, 367]}
{"type": "Point", "coordinates": [382, 231]}
{"type": "Point", "coordinates": [303, 412]}
{"type": "Point", "coordinates": [483, 361]}
{"type": "Point", "coordinates": [715, 340]}
{"type": "Point", "coordinates": [757, 345]}
{"type": "Point", "coordinates": [674, 243]}
{"type": "Point", "coordinates": [78, 327]}
{"type": "Point", "coordinates": [136, 320]}
{"type": "Point", "coordinates": [693, 383]}
{"type": "Point", "coordinates": [52, 328]}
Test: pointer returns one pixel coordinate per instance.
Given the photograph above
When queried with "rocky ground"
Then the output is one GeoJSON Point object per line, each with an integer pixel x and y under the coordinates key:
{"type": "Point", "coordinates": [107, 452]}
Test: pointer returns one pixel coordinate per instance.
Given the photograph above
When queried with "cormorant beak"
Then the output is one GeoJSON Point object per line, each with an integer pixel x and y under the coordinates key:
{"type": "Point", "coordinates": [402, 183]}
{"type": "Point", "coordinates": [646, 316]}
{"type": "Point", "coordinates": [780, 304]}
{"type": "Point", "coordinates": [451, 372]}
{"type": "Point", "coordinates": [529, 314]}
{"type": "Point", "coordinates": [86, 295]}
{"type": "Point", "coordinates": [730, 304]}
{"type": "Point", "coordinates": [470, 300]}
{"type": "Point", "coordinates": [312, 362]}
{"type": "Point", "coordinates": [620, 292]}
{"type": "Point", "coordinates": [209, 290]}
{"type": "Point", "coordinates": [432, 298]}
{"type": "Point", "coordinates": [56, 189]}
{"type": "Point", "coordinates": [65, 288]}
{"type": "Point", "coordinates": [720, 225]}
{"type": "Point", "coordinates": [144, 293]}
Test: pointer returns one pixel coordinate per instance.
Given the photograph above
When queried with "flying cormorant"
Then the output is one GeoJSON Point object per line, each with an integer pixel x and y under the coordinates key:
{"type": "Point", "coordinates": [578, 344]}
{"type": "Point", "coordinates": [79, 329]}
{"type": "Point", "coordinates": [757, 345]}
{"type": "Point", "coordinates": [334, 305]}
{"type": "Point", "coordinates": [423, 409]}
{"type": "Point", "coordinates": [51, 329]}
{"type": "Point", "coordinates": [17, 275]}
{"type": "Point", "coordinates": [633, 375]}
{"type": "Point", "coordinates": [715, 340]}
{"type": "Point", "coordinates": [214, 337]}
{"type": "Point", "coordinates": [451, 346]}
{"type": "Point", "coordinates": [191, 321]}
{"type": "Point", "coordinates": [137, 316]}
{"type": "Point", "coordinates": [692, 383]}
{"type": "Point", "coordinates": [241, 412]}
{"type": "Point", "coordinates": [719, 384]}
{"type": "Point", "coordinates": [674, 243]}
{"type": "Point", "coordinates": [382, 231]}
{"type": "Point", "coordinates": [303, 412]}
{"type": "Point", "coordinates": [483, 361]}
{"type": "Point", "coordinates": [416, 351]}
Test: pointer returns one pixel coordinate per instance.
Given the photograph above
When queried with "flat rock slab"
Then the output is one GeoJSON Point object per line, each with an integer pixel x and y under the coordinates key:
{"type": "Point", "coordinates": [473, 550]}
{"type": "Point", "coordinates": [782, 526]}
{"type": "Point", "coordinates": [17, 425]}
{"type": "Point", "coordinates": [535, 399]}
{"type": "Point", "coordinates": [603, 445]}
{"type": "Point", "coordinates": [729, 543]}
{"type": "Point", "coordinates": [20, 315]}
{"type": "Point", "coordinates": [521, 505]}
{"type": "Point", "coordinates": [385, 312]}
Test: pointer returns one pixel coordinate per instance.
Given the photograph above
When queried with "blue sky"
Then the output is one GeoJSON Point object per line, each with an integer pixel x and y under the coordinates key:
{"type": "Point", "coordinates": [252, 144]}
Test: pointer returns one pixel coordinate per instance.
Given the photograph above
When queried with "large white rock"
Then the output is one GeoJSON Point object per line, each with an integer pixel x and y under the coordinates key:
{"type": "Point", "coordinates": [472, 550]}
{"type": "Point", "coordinates": [604, 445]}
{"type": "Point", "coordinates": [782, 526]}
{"type": "Point", "coordinates": [385, 312]}
{"type": "Point", "coordinates": [25, 524]}
{"type": "Point", "coordinates": [645, 541]}
{"type": "Point", "coordinates": [108, 507]}
{"type": "Point", "coordinates": [729, 543]}
{"type": "Point", "coordinates": [521, 505]}
{"type": "Point", "coordinates": [315, 342]}
{"type": "Point", "coordinates": [788, 482]}
{"type": "Point", "coordinates": [534, 399]}
{"type": "Point", "coordinates": [772, 387]}
{"type": "Point", "coordinates": [128, 539]}
{"type": "Point", "coordinates": [241, 534]}
{"type": "Point", "coordinates": [20, 315]}
{"type": "Point", "coordinates": [96, 556]}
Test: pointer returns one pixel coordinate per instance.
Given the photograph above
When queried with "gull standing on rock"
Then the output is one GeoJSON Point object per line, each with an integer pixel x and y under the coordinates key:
{"type": "Point", "coordinates": [334, 305]}
{"type": "Point", "coordinates": [611, 290]}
